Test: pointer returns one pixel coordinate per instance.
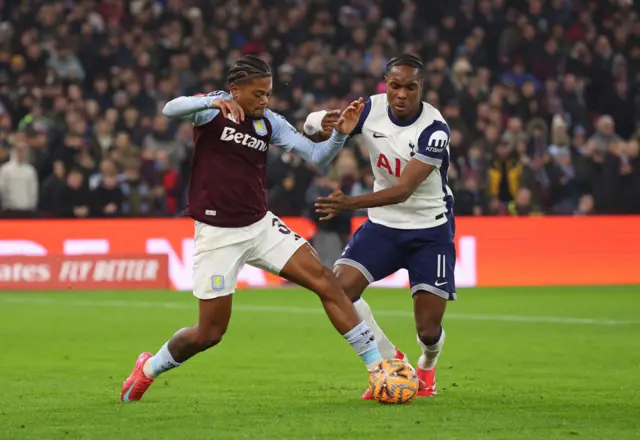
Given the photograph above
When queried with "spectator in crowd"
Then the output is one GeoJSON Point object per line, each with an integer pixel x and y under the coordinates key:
{"type": "Point", "coordinates": [102, 139]}
{"type": "Point", "coordinates": [605, 134]}
{"type": "Point", "coordinates": [75, 198]}
{"type": "Point", "coordinates": [523, 204]}
{"type": "Point", "coordinates": [287, 194]}
{"type": "Point", "coordinates": [331, 235]}
{"type": "Point", "coordinates": [52, 189]}
{"type": "Point", "coordinates": [165, 182]}
{"type": "Point", "coordinates": [468, 199]}
{"type": "Point", "coordinates": [140, 198]}
{"type": "Point", "coordinates": [586, 205]}
{"type": "Point", "coordinates": [107, 197]}
{"type": "Point", "coordinates": [64, 63]}
{"type": "Point", "coordinates": [18, 185]}
{"type": "Point", "coordinates": [563, 189]}
{"type": "Point", "coordinates": [161, 139]}
{"type": "Point", "coordinates": [108, 168]}
{"type": "Point", "coordinates": [505, 173]}
{"type": "Point", "coordinates": [123, 150]}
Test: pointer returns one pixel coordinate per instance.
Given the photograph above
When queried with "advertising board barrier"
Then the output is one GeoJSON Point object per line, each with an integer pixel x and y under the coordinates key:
{"type": "Point", "coordinates": [88, 272]}
{"type": "Point", "coordinates": [491, 251]}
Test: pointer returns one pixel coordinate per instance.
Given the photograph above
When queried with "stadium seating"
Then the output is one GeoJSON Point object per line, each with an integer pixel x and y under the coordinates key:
{"type": "Point", "coordinates": [542, 101]}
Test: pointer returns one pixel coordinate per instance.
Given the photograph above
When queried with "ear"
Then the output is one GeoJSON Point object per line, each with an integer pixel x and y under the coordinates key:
{"type": "Point", "coordinates": [233, 88]}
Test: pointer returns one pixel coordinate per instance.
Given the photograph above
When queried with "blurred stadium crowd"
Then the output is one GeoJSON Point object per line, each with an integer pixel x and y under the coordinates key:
{"type": "Point", "coordinates": [541, 96]}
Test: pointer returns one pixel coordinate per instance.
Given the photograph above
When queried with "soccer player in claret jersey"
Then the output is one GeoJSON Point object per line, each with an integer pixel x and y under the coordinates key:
{"type": "Point", "coordinates": [227, 199]}
{"type": "Point", "coordinates": [411, 223]}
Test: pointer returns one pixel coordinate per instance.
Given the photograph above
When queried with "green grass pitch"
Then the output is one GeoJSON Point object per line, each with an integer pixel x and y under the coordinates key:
{"type": "Point", "coordinates": [520, 363]}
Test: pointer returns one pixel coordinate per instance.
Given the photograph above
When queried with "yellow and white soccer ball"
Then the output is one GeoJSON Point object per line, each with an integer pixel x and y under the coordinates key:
{"type": "Point", "coordinates": [394, 381]}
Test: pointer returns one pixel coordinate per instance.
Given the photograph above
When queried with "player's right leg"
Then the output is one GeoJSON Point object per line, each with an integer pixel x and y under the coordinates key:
{"type": "Point", "coordinates": [369, 256]}
{"type": "Point", "coordinates": [224, 251]}
{"type": "Point", "coordinates": [282, 252]}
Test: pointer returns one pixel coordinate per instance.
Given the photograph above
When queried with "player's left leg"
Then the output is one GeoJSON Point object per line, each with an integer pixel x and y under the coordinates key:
{"type": "Point", "coordinates": [431, 267]}
{"type": "Point", "coordinates": [281, 251]}
{"type": "Point", "coordinates": [429, 310]}
{"type": "Point", "coordinates": [214, 315]}
{"type": "Point", "coordinates": [224, 250]}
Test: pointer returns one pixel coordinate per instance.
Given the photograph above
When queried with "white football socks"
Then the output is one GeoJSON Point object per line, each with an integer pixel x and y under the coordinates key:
{"type": "Point", "coordinates": [430, 353]}
{"type": "Point", "coordinates": [386, 348]}
{"type": "Point", "coordinates": [161, 362]}
{"type": "Point", "coordinates": [364, 343]}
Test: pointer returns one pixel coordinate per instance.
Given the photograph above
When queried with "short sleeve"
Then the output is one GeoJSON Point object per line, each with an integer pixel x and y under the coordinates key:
{"type": "Point", "coordinates": [432, 143]}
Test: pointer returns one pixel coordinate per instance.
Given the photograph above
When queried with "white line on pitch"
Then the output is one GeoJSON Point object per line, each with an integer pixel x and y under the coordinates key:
{"type": "Point", "coordinates": [303, 310]}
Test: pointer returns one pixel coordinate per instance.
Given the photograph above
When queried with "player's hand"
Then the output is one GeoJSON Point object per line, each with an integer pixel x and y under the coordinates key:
{"type": "Point", "coordinates": [330, 120]}
{"type": "Point", "coordinates": [229, 106]}
{"type": "Point", "coordinates": [333, 205]}
{"type": "Point", "coordinates": [350, 117]}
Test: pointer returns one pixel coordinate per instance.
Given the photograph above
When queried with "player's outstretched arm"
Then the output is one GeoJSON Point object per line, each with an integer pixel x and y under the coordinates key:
{"type": "Point", "coordinates": [203, 108]}
{"type": "Point", "coordinates": [321, 153]}
{"type": "Point", "coordinates": [413, 175]}
{"type": "Point", "coordinates": [432, 147]}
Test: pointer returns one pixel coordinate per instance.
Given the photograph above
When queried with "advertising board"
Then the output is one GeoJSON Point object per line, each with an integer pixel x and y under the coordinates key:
{"type": "Point", "coordinates": [491, 251]}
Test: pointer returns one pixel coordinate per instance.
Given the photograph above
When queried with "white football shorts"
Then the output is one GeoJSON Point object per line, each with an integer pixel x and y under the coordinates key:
{"type": "Point", "coordinates": [220, 253]}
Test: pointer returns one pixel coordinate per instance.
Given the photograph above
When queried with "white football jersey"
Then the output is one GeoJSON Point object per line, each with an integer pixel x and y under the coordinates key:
{"type": "Point", "coordinates": [392, 144]}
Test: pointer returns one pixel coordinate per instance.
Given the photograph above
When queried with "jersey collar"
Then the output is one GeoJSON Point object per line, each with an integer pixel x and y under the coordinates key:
{"type": "Point", "coordinates": [403, 122]}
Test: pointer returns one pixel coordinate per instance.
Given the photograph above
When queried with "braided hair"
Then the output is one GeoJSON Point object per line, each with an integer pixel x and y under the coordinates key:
{"type": "Point", "coordinates": [406, 59]}
{"type": "Point", "coordinates": [246, 68]}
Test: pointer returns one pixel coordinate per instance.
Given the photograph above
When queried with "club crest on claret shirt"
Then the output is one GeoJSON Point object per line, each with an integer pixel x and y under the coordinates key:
{"type": "Point", "coordinates": [260, 127]}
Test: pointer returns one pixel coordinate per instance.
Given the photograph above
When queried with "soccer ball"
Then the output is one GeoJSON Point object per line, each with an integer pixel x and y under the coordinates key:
{"type": "Point", "coordinates": [394, 381]}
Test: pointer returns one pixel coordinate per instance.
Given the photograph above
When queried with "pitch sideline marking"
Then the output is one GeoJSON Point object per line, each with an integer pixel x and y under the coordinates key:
{"type": "Point", "coordinates": [303, 310]}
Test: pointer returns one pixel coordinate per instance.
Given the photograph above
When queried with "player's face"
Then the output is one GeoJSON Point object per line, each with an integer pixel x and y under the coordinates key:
{"type": "Point", "coordinates": [253, 96]}
{"type": "Point", "coordinates": [404, 91]}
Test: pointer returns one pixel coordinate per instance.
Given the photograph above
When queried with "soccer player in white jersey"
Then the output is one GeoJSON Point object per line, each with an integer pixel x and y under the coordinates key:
{"type": "Point", "coordinates": [411, 223]}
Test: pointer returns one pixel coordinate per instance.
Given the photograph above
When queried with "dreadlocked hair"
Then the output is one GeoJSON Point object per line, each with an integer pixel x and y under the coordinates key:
{"type": "Point", "coordinates": [406, 59]}
{"type": "Point", "coordinates": [248, 67]}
